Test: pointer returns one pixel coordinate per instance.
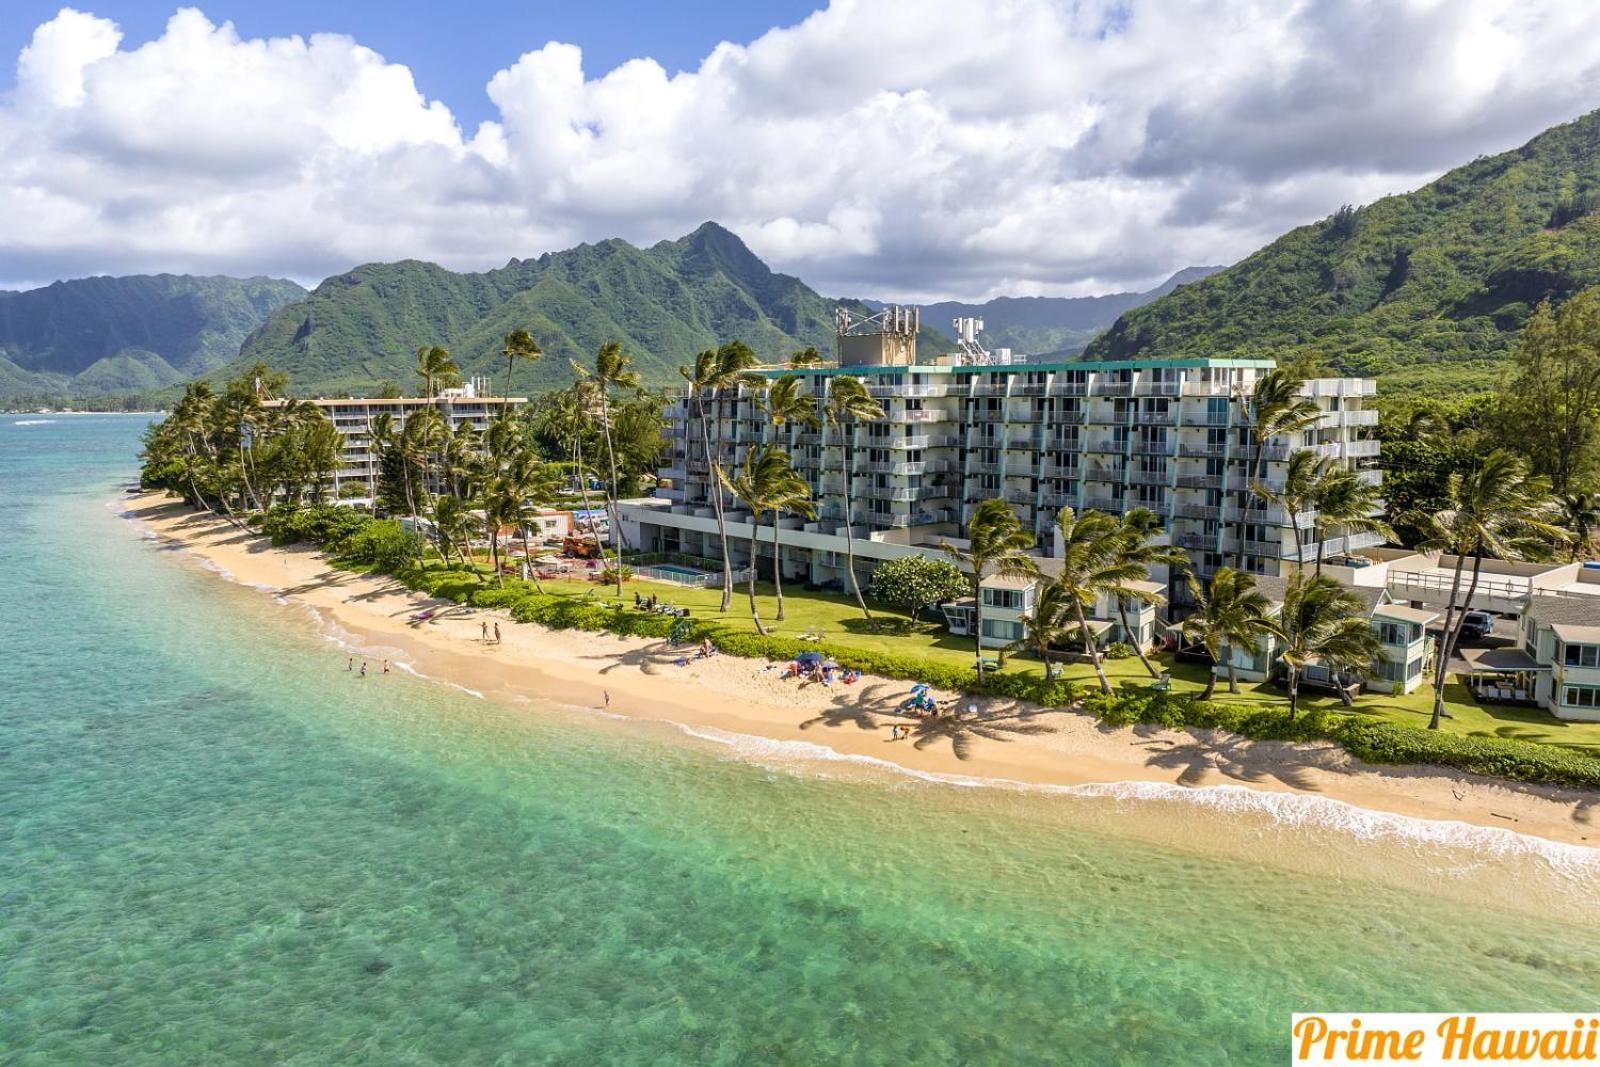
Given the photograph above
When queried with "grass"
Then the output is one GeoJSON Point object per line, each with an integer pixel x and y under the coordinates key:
{"type": "Point", "coordinates": [840, 621]}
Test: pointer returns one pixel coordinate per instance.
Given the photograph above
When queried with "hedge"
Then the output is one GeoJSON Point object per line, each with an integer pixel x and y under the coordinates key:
{"type": "Point", "coordinates": [353, 538]}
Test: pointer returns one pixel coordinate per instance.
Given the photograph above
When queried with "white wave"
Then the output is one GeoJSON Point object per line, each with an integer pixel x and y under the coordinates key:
{"type": "Point", "coordinates": [33, 422]}
{"type": "Point", "coordinates": [1295, 810]}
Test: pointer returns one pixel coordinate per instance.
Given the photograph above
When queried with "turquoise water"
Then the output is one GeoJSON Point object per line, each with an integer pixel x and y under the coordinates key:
{"type": "Point", "coordinates": [218, 846]}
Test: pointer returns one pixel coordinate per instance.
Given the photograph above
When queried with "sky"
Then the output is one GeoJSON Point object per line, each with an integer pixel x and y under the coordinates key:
{"type": "Point", "coordinates": [886, 148]}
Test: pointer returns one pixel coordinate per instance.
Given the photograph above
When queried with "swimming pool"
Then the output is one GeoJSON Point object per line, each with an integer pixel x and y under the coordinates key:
{"type": "Point", "coordinates": [682, 572]}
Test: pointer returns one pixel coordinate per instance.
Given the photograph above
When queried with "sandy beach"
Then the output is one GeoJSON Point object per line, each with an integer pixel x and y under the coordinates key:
{"type": "Point", "coordinates": [1005, 740]}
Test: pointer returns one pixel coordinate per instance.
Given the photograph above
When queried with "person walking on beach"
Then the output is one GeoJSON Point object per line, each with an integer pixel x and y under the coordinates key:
{"type": "Point", "coordinates": [483, 631]}
{"type": "Point", "coordinates": [385, 666]}
{"type": "Point", "coordinates": [607, 694]}
{"type": "Point", "coordinates": [497, 633]}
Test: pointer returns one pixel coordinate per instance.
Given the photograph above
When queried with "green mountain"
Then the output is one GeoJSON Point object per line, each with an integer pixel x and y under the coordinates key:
{"type": "Point", "coordinates": [664, 303]}
{"type": "Point", "coordinates": [1052, 325]}
{"type": "Point", "coordinates": [144, 332]}
{"type": "Point", "coordinates": [1425, 289]}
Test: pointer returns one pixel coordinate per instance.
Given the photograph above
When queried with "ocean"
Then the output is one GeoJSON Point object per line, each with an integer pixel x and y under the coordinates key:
{"type": "Point", "coordinates": [219, 846]}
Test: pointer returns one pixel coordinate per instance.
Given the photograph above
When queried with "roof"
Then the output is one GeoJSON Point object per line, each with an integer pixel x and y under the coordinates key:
{"type": "Point", "coordinates": [1578, 635]}
{"type": "Point", "coordinates": [1570, 610]}
{"type": "Point", "coordinates": [1149, 587]}
{"type": "Point", "coordinates": [1098, 626]}
{"type": "Point", "coordinates": [1499, 660]}
{"type": "Point", "coordinates": [1009, 581]}
{"type": "Point", "coordinates": [1405, 614]}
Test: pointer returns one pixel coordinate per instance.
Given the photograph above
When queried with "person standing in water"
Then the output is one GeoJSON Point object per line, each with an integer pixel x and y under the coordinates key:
{"type": "Point", "coordinates": [363, 668]}
{"type": "Point", "coordinates": [350, 664]}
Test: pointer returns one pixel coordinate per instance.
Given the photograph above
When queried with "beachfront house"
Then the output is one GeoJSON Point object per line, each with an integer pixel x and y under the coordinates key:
{"type": "Point", "coordinates": [1559, 667]}
{"type": "Point", "coordinates": [1400, 667]}
{"type": "Point", "coordinates": [1006, 600]}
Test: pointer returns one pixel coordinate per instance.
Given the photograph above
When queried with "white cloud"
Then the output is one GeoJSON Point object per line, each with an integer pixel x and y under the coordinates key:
{"type": "Point", "coordinates": [890, 148]}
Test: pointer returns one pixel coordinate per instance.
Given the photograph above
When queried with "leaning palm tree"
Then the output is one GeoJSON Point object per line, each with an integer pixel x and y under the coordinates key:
{"type": "Point", "coordinates": [1049, 624]}
{"type": "Point", "coordinates": [1342, 499]}
{"type": "Point", "coordinates": [1301, 483]}
{"type": "Point", "coordinates": [1094, 564]}
{"type": "Point", "coordinates": [1323, 623]}
{"type": "Point", "coordinates": [1495, 509]}
{"type": "Point", "coordinates": [997, 544]}
{"type": "Point", "coordinates": [714, 370]}
{"type": "Point", "coordinates": [850, 402]}
{"type": "Point", "coordinates": [765, 482]}
{"type": "Point", "coordinates": [528, 481]}
{"type": "Point", "coordinates": [612, 370]}
{"type": "Point", "coordinates": [1580, 514]}
{"type": "Point", "coordinates": [1231, 615]}
{"type": "Point", "coordinates": [807, 357]}
{"type": "Point", "coordinates": [1275, 408]}
{"type": "Point", "coordinates": [1139, 527]}
{"type": "Point", "coordinates": [519, 344]}
{"type": "Point", "coordinates": [436, 369]}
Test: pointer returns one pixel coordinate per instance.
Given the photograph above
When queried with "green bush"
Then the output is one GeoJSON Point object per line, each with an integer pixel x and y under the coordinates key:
{"type": "Point", "coordinates": [380, 544]}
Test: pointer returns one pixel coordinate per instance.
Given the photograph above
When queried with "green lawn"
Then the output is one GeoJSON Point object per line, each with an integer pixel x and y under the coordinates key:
{"type": "Point", "coordinates": [840, 622]}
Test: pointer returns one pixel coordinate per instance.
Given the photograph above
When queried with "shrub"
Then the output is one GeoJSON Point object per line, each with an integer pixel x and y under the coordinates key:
{"type": "Point", "coordinates": [608, 574]}
{"type": "Point", "coordinates": [1118, 650]}
{"type": "Point", "coordinates": [911, 583]}
{"type": "Point", "coordinates": [381, 544]}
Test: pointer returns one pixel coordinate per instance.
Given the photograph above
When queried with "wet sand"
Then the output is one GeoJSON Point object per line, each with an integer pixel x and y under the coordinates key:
{"type": "Point", "coordinates": [1006, 741]}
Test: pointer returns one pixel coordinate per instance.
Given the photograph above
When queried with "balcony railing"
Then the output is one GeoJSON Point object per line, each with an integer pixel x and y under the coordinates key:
{"type": "Point", "coordinates": [1200, 481]}
{"type": "Point", "coordinates": [1201, 449]}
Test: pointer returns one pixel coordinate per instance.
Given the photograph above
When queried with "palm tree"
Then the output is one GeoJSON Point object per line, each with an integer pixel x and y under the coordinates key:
{"type": "Point", "coordinates": [714, 370]}
{"type": "Point", "coordinates": [519, 344]}
{"type": "Point", "coordinates": [787, 402]}
{"type": "Point", "coordinates": [528, 480]}
{"type": "Point", "coordinates": [766, 482]}
{"type": "Point", "coordinates": [422, 433]}
{"type": "Point", "coordinates": [1580, 513]}
{"type": "Point", "coordinates": [1047, 624]}
{"type": "Point", "coordinates": [849, 402]}
{"type": "Point", "coordinates": [1139, 526]}
{"type": "Point", "coordinates": [1495, 509]}
{"type": "Point", "coordinates": [807, 357]}
{"type": "Point", "coordinates": [436, 368]}
{"type": "Point", "coordinates": [1094, 564]}
{"type": "Point", "coordinates": [997, 544]}
{"type": "Point", "coordinates": [1323, 623]}
{"type": "Point", "coordinates": [452, 520]}
{"type": "Point", "coordinates": [611, 371]}
{"type": "Point", "coordinates": [1275, 408]}
{"type": "Point", "coordinates": [1232, 615]}
{"type": "Point", "coordinates": [380, 431]}
{"type": "Point", "coordinates": [1301, 483]}
{"type": "Point", "coordinates": [1342, 499]}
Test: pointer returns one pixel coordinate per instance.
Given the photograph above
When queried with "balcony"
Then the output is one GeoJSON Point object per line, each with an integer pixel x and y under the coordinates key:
{"type": "Point", "coordinates": [1198, 511]}
{"type": "Point", "coordinates": [1053, 470]}
{"type": "Point", "coordinates": [1266, 549]}
{"type": "Point", "coordinates": [1111, 389]}
{"type": "Point", "coordinates": [1206, 542]}
{"type": "Point", "coordinates": [1200, 481]}
{"type": "Point", "coordinates": [1201, 450]}
{"type": "Point", "coordinates": [1152, 446]}
{"type": "Point", "coordinates": [1108, 444]}
{"type": "Point", "coordinates": [921, 415]}
{"type": "Point", "coordinates": [1153, 418]}
{"type": "Point", "coordinates": [1112, 475]}
{"type": "Point", "coordinates": [1150, 477]}
{"type": "Point", "coordinates": [1021, 496]}
{"type": "Point", "coordinates": [977, 467]}
{"type": "Point", "coordinates": [1108, 504]}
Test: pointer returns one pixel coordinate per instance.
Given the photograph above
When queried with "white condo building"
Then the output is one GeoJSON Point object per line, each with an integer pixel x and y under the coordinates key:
{"type": "Point", "coordinates": [353, 417]}
{"type": "Point", "coordinates": [1170, 435]}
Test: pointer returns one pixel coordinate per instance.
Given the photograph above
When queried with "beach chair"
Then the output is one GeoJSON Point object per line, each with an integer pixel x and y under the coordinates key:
{"type": "Point", "coordinates": [1164, 683]}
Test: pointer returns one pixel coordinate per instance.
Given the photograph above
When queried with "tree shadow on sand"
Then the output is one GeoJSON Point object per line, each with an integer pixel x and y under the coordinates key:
{"type": "Point", "coordinates": [1233, 757]}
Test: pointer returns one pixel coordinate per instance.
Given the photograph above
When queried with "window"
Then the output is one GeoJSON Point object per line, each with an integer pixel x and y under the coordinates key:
{"type": "Point", "coordinates": [1003, 598]}
{"type": "Point", "coordinates": [1580, 696]}
{"type": "Point", "coordinates": [1396, 633]}
{"type": "Point", "coordinates": [1002, 629]}
{"type": "Point", "coordinates": [1581, 655]}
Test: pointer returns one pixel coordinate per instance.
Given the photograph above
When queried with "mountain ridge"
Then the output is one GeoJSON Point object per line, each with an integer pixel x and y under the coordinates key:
{"type": "Point", "coordinates": [1423, 289]}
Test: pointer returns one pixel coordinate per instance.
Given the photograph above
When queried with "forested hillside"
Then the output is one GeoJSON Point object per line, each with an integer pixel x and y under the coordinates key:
{"type": "Point", "coordinates": [1425, 289]}
{"type": "Point", "coordinates": [663, 303]}
{"type": "Point", "coordinates": [136, 333]}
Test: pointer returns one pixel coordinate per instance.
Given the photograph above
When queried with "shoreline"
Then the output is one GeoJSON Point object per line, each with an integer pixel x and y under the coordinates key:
{"type": "Point", "coordinates": [724, 699]}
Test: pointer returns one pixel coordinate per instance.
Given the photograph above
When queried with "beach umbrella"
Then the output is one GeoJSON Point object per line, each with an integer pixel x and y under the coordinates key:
{"type": "Point", "coordinates": [809, 657]}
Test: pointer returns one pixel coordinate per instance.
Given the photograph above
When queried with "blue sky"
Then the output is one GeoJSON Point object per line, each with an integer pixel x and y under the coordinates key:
{"type": "Point", "coordinates": [906, 150]}
{"type": "Point", "coordinates": [452, 48]}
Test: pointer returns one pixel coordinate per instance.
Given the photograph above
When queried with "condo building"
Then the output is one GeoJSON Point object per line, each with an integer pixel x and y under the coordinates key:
{"type": "Point", "coordinates": [1170, 435]}
{"type": "Point", "coordinates": [357, 476]}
